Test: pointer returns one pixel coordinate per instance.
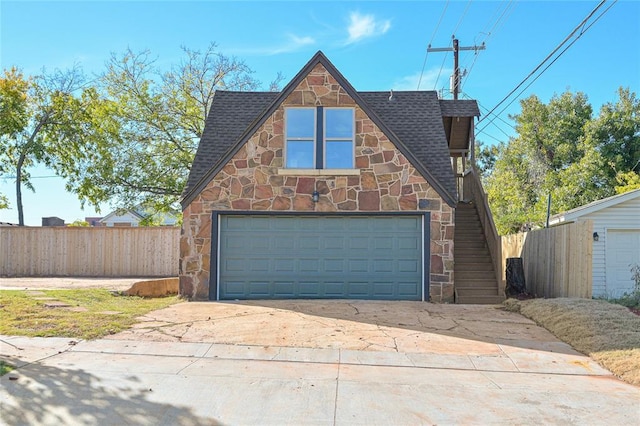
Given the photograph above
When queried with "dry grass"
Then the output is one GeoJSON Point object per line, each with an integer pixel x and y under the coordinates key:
{"type": "Point", "coordinates": [92, 313]}
{"type": "Point", "coordinates": [608, 333]}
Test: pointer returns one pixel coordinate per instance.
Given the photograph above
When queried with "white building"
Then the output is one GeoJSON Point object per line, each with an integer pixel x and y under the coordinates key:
{"type": "Point", "coordinates": [616, 245]}
{"type": "Point", "coordinates": [129, 217]}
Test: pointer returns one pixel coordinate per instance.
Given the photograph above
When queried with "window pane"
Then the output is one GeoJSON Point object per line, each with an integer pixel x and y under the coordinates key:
{"type": "Point", "coordinates": [300, 154]}
{"type": "Point", "coordinates": [339, 155]}
{"type": "Point", "coordinates": [300, 122]}
{"type": "Point", "coordinates": [338, 123]}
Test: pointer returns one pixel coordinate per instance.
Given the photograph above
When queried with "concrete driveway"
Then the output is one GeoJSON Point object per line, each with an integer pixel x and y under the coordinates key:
{"type": "Point", "coordinates": [314, 362]}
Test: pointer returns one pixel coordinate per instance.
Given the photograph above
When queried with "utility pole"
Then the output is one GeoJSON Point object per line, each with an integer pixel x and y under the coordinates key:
{"type": "Point", "coordinates": [455, 86]}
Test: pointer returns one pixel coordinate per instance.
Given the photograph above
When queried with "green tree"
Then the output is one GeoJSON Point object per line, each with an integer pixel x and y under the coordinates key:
{"type": "Point", "coordinates": [537, 162]}
{"type": "Point", "coordinates": [628, 181]}
{"type": "Point", "coordinates": [485, 157]}
{"type": "Point", "coordinates": [48, 124]}
{"type": "Point", "coordinates": [616, 134]}
{"type": "Point", "coordinates": [13, 113]}
{"type": "Point", "coordinates": [148, 127]}
{"type": "Point", "coordinates": [562, 151]}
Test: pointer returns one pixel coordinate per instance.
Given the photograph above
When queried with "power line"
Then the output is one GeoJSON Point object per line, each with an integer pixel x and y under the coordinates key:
{"type": "Point", "coordinates": [464, 13]}
{"type": "Point", "coordinates": [431, 41]}
{"type": "Point", "coordinates": [582, 32]}
{"type": "Point", "coordinates": [466, 95]}
{"type": "Point", "coordinates": [493, 137]}
{"type": "Point", "coordinates": [547, 58]}
{"type": "Point", "coordinates": [30, 177]}
{"type": "Point", "coordinates": [440, 72]}
{"type": "Point", "coordinates": [489, 33]}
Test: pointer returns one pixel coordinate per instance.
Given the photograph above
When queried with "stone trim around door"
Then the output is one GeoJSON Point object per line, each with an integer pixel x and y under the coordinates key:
{"type": "Point", "coordinates": [215, 237]}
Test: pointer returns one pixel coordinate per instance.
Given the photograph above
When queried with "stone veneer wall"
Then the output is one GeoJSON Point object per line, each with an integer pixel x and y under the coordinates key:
{"type": "Point", "coordinates": [250, 181]}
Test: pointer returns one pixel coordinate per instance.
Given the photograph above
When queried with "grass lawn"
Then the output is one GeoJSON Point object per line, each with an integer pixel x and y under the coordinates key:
{"type": "Point", "coordinates": [608, 333]}
{"type": "Point", "coordinates": [92, 313]}
{"type": "Point", "coordinates": [4, 368]}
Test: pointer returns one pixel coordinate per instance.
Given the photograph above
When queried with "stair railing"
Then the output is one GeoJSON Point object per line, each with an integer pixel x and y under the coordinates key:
{"type": "Point", "coordinates": [473, 191]}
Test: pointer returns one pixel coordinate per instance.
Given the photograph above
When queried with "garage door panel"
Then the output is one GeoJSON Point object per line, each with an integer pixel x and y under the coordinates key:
{"type": "Point", "coordinates": [383, 266]}
{"type": "Point", "coordinates": [369, 257]}
{"type": "Point", "coordinates": [412, 224]}
{"type": "Point", "coordinates": [259, 288]}
{"type": "Point", "coordinates": [310, 242]}
{"type": "Point", "coordinates": [358, 266]}
{"type": "Point", "coordinates": [406, 289]}
{"type": "Point", "coordinates": [234, 265]}
{"type": "Point", "coordinates": [309, 288]}
{"type": "Point", "coordinates": [622, 252]}
{"type": "Point", "coordinates": [383, 243]}
{"type": "Point", "coordinates": [283, 289]}
{"type": "Point", "coordinates": [408, 266]}
{"type": "Point", "coordinates": [334, 289]}
{"type": "Point", "coordinates": [383, 289]}
{"type": "Point", "coordinates": [283, 265]}
{"type": "Point", "coordinates": [334, 265]}
{"type": "Point", "coordinates": [235, 288]}
{"type": "Point", "coordinates": [358, 243]}
{"type": "Point", "coordinates": [407, 244]}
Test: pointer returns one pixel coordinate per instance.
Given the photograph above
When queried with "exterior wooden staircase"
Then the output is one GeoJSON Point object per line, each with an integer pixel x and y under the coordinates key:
{"type": "Point", "coordinates": [476, 247]}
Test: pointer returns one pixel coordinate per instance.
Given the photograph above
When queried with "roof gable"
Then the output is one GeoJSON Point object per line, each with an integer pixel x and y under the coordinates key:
{"type": "Point", "coordinates": [411, 120]}
{"type": "Point", "coordinates": [122, 213]}
{"type": "Point", "coordinates": [595, 206]}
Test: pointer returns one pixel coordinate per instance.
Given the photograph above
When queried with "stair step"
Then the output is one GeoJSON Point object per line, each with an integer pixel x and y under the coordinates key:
{"type": "Point", "coordinates": [462, 242]}
{"type": "Point", "coordinates": [469, 233]}
{"type": "Point", "coordinates": [467, 219]}
{"type": "Point", "coordinates": [462, 219]}
{"type": "Point", "coordinates": [470, 250]}
{"type": "Point", "coordinates": [465, 264]}
{"type": "Point", "coordinates": [461, 248]}
{"type": "Point", "coordinates": [464, 283]}
{"type": "Point", "coordinates": [474, 274]}
{"type": "Point", "coordinates": [470, 244]}
{"type": "Point", "coordinates": [473, 259]}
{"type": "Point", "coordinates": [477, 291]}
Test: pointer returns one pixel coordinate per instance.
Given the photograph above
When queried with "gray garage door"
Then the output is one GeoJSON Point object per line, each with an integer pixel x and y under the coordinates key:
{"type": "Point", "coordinates": [348, 257]}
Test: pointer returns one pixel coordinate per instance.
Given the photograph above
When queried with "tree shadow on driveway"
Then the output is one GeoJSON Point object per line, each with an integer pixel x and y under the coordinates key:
{"type": "Point", "coordinates": [44, 394]}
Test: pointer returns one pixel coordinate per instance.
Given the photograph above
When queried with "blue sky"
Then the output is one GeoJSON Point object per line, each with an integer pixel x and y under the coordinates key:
{"type": "Point", "coordinates": [377, 45]}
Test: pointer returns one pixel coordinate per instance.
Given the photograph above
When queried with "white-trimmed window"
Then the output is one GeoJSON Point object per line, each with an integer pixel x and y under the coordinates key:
{"type": "Point", "coordinates": [319, 138]}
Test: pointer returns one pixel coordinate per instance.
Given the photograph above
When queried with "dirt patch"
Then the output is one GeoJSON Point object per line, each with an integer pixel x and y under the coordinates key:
{"type": "Point", "coordinates": [608, 333]}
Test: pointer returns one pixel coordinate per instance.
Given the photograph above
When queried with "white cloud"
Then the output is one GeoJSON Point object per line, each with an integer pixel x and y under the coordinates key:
{"type": "Point", "coordinates": [292, 44]}
{"type": "Point", "coordinates": [428, 81]}
{"type": "Point", "coordinates": [296, 42]}
{"type": "Point", "coordinates": [365, 26]}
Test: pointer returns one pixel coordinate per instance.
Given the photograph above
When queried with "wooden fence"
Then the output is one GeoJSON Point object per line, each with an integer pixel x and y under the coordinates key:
{"type": "Point", "coordinates": [97, 252]}
{"type": "Point", "coordinates": [557, 261]}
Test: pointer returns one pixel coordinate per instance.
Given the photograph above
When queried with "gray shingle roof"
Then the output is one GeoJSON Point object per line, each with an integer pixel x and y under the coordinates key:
{"type": "Point", "coordinates": [459, 108]}
{"type": "Point", "coordinates": [231, 113]}
{"type": "Point", "coordinates": [415, 118]}
{"type": "Point", "coordinates": [412, 121]}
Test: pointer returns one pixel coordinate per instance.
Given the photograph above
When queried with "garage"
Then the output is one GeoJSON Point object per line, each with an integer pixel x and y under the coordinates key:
{"type": "Point", "coordinates": [279, 256]}
{"type": "Point", "coordinates": [623, 252]}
